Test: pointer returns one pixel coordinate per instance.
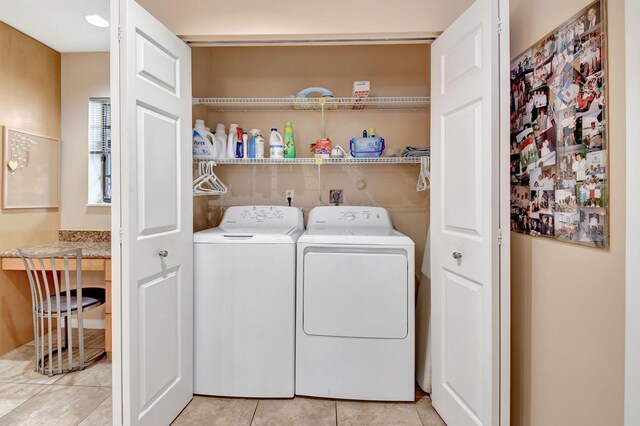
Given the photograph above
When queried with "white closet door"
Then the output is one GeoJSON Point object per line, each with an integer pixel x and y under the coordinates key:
{"type": "Point", "coordinates": [155, 215]}
{"type": "Point", "coordinates": [465, 217]}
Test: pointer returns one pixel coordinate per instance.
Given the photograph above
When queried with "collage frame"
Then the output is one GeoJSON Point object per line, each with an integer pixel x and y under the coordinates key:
{"type": "Point", "coordinates": [560, 143]}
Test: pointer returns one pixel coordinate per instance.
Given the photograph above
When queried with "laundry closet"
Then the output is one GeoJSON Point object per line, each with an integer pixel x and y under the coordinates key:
{"type": "Point", "coordinates": [399, 71]}
{"type": "Point", "coordinates": [161, 82]}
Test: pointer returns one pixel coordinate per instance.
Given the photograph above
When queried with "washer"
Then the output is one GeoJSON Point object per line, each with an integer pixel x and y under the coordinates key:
{"type": "Point", "coordinates": [244, 303]}
{"type": "Point", "coordinates": [355, 307]}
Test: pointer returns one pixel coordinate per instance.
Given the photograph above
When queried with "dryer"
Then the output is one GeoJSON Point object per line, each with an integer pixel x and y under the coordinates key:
{"type": "Point", "coordinates": [244, 303]}
{"type": "Point", "coordinates": [355, 306]}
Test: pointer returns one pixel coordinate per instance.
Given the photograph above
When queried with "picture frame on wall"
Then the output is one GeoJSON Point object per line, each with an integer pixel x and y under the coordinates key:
{"type": "Point", "coordinates": [559, 138]}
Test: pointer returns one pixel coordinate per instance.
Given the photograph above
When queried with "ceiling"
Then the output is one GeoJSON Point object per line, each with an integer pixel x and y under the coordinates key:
{"type": "Point", "coordinates": [59, 24]}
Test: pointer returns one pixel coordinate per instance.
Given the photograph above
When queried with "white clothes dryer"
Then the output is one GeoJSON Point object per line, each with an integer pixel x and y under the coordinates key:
{"type": "Point", "coordinates": [244, 303]}
{"type": "Point", "coordinates": [355, 306]}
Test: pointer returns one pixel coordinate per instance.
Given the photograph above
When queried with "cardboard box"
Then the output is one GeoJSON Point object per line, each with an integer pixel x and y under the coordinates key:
{"type": "Point", "coordinates": [361, 91]}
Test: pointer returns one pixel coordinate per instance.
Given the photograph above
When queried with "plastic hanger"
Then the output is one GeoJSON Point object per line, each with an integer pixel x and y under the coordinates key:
{"type": "Point", "coordinates": [424, 179]}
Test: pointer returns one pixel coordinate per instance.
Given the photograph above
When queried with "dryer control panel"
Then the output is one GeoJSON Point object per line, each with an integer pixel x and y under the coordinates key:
{"type": "Point", "coordinates": [350, 216]}
{"type": "Point", "coordinates": [251, 216]}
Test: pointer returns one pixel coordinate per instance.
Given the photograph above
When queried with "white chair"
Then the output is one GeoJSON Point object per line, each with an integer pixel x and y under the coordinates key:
{"type": "Point", "coordinates": [53, 299]}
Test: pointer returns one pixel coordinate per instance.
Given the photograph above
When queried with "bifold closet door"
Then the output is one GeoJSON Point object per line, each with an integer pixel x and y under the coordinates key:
{"type": "Point", "coordinates": [465, 217]}
{"type": "Point", "coordinates": [154, 211]}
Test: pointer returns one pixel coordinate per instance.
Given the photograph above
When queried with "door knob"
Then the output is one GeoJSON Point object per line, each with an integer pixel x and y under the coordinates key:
{"type": "Point", "coordinates": [457, 255]}
{"type": "Point", "coordinates": [163, 253]}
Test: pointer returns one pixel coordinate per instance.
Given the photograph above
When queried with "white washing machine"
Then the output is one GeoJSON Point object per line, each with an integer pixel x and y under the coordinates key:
{"type": "Point", "coordinates": [244, 303]}
{"type": "Point", "coordinates": [355, 306]}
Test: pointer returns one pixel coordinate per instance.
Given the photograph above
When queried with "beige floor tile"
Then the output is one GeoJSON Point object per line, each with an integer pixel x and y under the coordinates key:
{"type": "Point", "coordinates": [98, 374]}
{"type": "Point", "coordinates": [203, 410]}
{"type": "Point", "coordinates": [12, 395]}
{"type": "Point", "coordinates": [377, 413]}
{"type": "Point", "coordinates": [101, 416]}
{"type": "Point", "coordinates": [93, 338]}
{"type": "Point", "coordinates": [427, 413]}
{"type": "Point", "coordinates": [297, 411]}
{"type": "Point", "coordinates": [23, 372]}
{"type": "Point", "coordinates": [57, 406]}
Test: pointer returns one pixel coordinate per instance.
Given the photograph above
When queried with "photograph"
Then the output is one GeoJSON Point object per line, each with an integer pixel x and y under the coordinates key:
{"type": "Point", "coordinates": [596, 164]}
{"type": "Point", "coordinates": [541, 203]}
{"type": "Point", "coordinates": [546, 225]}
{"type": "Point", "coordinates": [520, 196]}
{"type": "Point", "coordinates": [546, 143]}
{"type": "Point", "coordinates": [543, 178]}
{"type": "Point", "coordinates": [569, 129]}
{"type": "Point", "coordinates": [592, 132]}
{"type": "Point", "coordinates": [572, 159]}
{"type": "Point", "coordinates": [592, 226]}
{"type": "Point", "coordinates": [592, 193]}
{"type": "Point", "coordinates": [528, 148]}
{"type": "Point", "coordinates": [567, 180]}
{"type": "Point", "coordinates": [567, 226]}
{"type": "Point", "coordinates": [566, 201]}
{"type": "Point", "coordinates": [521, 65]}
{"type": "Point", "coordinates": [519, 176]}
{"type": "Point", "coordinates": [591, 55]}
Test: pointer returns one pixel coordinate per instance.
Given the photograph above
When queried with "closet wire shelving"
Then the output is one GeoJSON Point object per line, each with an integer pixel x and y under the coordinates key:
{"type": "Point", "coordinates": [414, 103]}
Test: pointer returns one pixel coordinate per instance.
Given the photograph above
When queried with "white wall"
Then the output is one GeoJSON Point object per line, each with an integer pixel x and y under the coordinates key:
{"type": "Point", "coordinates": [84, 76]}
{"type": "Point", "coordinates": [632, 354]}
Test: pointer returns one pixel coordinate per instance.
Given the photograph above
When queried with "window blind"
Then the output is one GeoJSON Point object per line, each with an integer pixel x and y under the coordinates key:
{"type": "Point", "coordinates": [99, 125]}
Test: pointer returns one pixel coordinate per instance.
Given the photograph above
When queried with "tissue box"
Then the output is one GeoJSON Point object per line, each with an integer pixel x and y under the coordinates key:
{"type": "Point", "coordinates": [360, 90]}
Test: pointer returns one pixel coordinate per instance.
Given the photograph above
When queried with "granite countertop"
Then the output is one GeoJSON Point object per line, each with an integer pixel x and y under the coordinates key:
{"type": "Point", "coordinates": [86, 240]}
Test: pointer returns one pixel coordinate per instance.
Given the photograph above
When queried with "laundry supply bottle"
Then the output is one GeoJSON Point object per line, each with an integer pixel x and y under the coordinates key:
{"type": "Point", "coordinates": [239, 133]}
{"type": "Point", "coordinates": [259, 145]}
{"type": "Point", "coordinates": [245, 145]}
{"type": "Point", "coordinates": [202, 144]}
{"type": "Point", "coordinates": [289, 143]}
{"type": "Point", "coordinates": [214, 143]}
{"type": "Point", "coordinates": [221, 140]}
{"type": "Point", "coordinates": [232, 139]}
{"type": "Point", "coordinates": [252, 142]}
{"type": "Point", "coordinates": [276, 144]}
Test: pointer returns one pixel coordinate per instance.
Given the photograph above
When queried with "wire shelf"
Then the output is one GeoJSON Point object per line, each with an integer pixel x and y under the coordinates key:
{"type": "Point", "coordinates": [416, 103]}
{"type": "Point", "coordinates": [307, 161]}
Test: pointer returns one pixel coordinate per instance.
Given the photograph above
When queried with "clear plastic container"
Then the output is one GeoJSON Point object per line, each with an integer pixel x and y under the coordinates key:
{"type": "Point", "coordinates": [366, 147]}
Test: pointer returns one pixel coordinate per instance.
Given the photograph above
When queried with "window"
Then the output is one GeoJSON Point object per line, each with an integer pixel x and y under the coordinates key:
{"type": "Point", "coordinates": [99, 151]}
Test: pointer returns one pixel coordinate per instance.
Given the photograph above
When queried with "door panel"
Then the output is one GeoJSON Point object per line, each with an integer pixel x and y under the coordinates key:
{"type": "Point", "coordinates": [355, 294]}
{"type": "Point", "coordinates": [465, 218]}
{"type": "Point", "coordinates": [155, 215]}
{"type": "Point", "coordinates": [159, 139]}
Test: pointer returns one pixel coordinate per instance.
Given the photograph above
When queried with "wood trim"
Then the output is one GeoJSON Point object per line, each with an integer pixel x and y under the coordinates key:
{"type": "Point", "coordinates": [107, 334]}
{"type": "Point", "coordinates": [107, 270]}
{"type": "Point", "coordinates": [16, 264]}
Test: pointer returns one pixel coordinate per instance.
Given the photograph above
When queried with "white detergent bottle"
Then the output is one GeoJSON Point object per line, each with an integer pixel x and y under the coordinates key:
{"type": "Point", "coordinates": [215, 147]}
{"type": "Point", "coordinates": [276, 145]}
{"type": "Point", "coordinates": [232, 140]}
{"type": "Point", "coordinates": [221, 140]}
{"type": "Point", "coordinates": [202, 145]}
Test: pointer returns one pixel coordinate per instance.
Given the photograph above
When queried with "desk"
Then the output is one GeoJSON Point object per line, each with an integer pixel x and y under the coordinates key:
{"type": "Point", "coordinates": [96, 257]}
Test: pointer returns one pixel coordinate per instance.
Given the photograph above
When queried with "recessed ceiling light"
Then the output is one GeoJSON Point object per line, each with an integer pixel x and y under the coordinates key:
{"type": "Point", "coordinates": [97, 21]}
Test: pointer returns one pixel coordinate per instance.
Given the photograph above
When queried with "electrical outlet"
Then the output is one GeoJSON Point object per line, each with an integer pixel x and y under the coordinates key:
{"type": "Point", "coordinates": [288, 193]}
{"type": "Point", "coordinates": [335, 196]}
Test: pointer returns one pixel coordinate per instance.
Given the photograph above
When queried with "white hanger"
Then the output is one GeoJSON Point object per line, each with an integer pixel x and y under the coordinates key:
{"type": "Point", "coordinates": [424, 179]}
{"type": "Point", "coordinates": [206, 181]}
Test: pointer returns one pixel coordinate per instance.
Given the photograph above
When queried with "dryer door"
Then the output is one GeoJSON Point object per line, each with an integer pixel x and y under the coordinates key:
{"type": "Point", "coordinates": [352, 292]}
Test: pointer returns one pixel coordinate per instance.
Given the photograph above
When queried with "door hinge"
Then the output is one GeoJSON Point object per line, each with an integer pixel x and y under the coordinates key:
{"type": "Point", "coordinates": [120, 235]}
{"type": "Point", "coordinates": [499, 237]}
{"type": "Point", "coordinates": [119, 33]}
{"type": "Point", "coordinates": [499, 26]}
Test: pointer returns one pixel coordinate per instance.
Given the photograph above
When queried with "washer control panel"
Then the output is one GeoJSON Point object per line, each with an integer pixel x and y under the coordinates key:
{"type": "Point", "coordinates": [249, 216]}
{"type": "Point", "coordinates": [349, 216]}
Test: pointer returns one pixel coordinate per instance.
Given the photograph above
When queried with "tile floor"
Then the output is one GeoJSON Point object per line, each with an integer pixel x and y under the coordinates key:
{"type": "Point", "coordinates": [29, 398]}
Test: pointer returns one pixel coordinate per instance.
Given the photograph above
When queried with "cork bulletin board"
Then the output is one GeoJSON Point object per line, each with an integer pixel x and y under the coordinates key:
{"type": "Point", "coordinates": [31, 170]}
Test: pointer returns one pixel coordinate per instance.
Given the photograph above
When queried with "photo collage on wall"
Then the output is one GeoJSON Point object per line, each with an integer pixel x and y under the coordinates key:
{"type": "Point", "coordinates": [559, 167]}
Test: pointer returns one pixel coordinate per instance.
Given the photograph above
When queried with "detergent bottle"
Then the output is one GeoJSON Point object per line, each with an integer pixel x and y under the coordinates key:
{"type": "Point", "coordinates": [221, 140]}
{"type": "Point", "coordinates": [289, 143]}
{"type": "Point", "coordinates": [276, 145]}
{"type": "Point", "coordinates": [232, 140]}
{"type": "Point", "coordinates": [258, 144]}
{"type": "Point", "coordinates": [214, 143]}
{"type": "Point", "coordinates": [202, 144]}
